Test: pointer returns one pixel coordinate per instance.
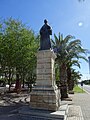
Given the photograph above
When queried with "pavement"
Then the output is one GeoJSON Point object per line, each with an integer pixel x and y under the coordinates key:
{"type": "Point", "coordinates": [10, 104]}
{"type": "Point", "coordinates": [17, 107]}
{"type": "Point", "coordinates": [75, 113]}
{"type": "Point", "coordinates": [83, 100]}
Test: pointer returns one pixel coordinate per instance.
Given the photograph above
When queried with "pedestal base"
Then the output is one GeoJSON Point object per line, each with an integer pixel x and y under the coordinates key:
{"type": "Point", "coordinates": [45, 94]}
{"type": "Point", "coordinates": [45, 98]}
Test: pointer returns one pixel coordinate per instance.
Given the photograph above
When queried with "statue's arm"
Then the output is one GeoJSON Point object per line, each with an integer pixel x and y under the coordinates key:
{"type": "Point", "coordinates": [50, 31]}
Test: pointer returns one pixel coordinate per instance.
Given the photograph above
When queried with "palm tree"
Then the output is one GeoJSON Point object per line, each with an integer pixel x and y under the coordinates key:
{"type": "Point", "coordinates": [60, 47]}
{"type": "Point", "coordinates": [75, 52]}
{"type": "Point", "coordinates": [70, 81]}
{"type": "Point", "coordinates": [66, 49]}
{"type": "Point", "coordinates": [76, 75]}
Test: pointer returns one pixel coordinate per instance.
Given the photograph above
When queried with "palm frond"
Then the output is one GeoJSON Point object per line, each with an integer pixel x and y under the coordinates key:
{"type": "Point", "coordinates": [83, 57]}
{"type": "Point", "coordinates": [76, 63]}
{"type": "Point", "coordinates": [68, 38]}
{"type": "Point", "coordinates": [52, 41]}
{"type": "Point", "coordinates": [56, 40]}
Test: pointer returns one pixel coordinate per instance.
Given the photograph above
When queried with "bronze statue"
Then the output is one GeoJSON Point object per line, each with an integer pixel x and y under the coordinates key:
{"type": "Point", "coordinates": [45, 33]}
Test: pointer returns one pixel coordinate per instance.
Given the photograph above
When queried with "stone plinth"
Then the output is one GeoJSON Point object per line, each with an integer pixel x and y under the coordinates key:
{"type": "Point", "coordinates": [45, 94]}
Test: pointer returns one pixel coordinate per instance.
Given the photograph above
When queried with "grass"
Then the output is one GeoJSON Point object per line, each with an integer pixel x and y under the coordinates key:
{"type": "Point", "coordinates": [77, 89]}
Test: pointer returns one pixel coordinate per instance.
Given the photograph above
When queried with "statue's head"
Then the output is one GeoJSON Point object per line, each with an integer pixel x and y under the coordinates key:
{"type": "Point", "coordinates": [45, 21]}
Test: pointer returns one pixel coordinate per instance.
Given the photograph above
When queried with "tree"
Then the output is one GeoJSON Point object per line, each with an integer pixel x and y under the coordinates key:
{"type": "Point", "coordinates": [70, 81]}
{"type": "Point", "coordinates": [75, 52]}
{"type": "Point", "coordinates": [18, 49]}
{"type": "Point", "coordinates": [68, 50]}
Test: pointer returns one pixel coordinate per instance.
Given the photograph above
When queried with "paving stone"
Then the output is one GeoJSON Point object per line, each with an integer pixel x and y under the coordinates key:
{"type": "Point", "coordinates": [75, 113]}
{"type": "Point", "coordinates": [83, 100]}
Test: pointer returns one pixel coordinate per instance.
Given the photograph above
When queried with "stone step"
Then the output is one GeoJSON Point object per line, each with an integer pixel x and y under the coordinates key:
{"type": "Point", "coordinates": [64, 108]}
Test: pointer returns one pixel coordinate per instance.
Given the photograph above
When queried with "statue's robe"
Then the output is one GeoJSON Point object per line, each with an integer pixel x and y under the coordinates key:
{"type": "Point", "coordinates": [45, 33]}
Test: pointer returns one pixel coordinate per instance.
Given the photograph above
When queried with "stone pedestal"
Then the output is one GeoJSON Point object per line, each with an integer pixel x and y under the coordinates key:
{"type": "Point", "coordinates": [45, 95]}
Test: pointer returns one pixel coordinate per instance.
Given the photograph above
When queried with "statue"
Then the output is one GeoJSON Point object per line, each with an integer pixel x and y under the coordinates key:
{"type": "Point", "coordinates": [45, 33]}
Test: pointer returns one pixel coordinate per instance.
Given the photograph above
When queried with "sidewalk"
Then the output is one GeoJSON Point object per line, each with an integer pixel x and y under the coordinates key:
{"type": "Point", "coordinates": [79, 105]}
{"type": "Point", "coordinates": [83, 100]}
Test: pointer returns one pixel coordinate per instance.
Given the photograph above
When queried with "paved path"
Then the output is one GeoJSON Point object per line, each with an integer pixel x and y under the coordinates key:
{"type": "Point", "coordinates": [74, 113]}
{"type": "Point", "coordinates": [83, 100]}
{"type": "Point", "coordinates": [10, 103]}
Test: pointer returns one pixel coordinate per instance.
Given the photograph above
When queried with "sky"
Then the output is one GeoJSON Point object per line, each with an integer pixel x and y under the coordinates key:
{"type": "Point", "coordinates": [69, 17]}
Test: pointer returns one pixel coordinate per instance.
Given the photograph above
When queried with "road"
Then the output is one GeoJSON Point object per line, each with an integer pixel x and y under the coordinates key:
{"type": "Point", "coordinates": [86, 88]}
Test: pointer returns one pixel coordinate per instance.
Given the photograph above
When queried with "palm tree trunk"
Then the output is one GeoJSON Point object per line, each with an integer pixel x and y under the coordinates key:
{"type": "Point", "coordinates": [69, 78]}
{"type": "Point", "coordinates": [63, 81]}
{"type": "Point", "coordinates": [70, 82]}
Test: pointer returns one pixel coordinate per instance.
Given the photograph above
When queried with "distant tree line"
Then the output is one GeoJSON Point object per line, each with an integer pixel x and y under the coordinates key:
{"type": "Point", "coordinates": [86, 82]}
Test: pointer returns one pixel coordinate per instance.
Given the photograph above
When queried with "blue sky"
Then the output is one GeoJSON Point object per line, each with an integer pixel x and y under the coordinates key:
{"type": "Point", "coordinates": [65, 16]}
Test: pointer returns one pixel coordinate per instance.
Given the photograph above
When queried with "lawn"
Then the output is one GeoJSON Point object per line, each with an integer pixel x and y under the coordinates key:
{"type": "Point", "coordinates": [77, 89]}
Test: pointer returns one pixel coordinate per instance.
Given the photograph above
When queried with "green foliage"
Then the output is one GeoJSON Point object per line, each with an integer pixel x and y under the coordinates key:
{"type": "Point", "coordinates": [18, 46]}
{"type": "Point", "coordinates": [68, 50]}
{"type": "Point", "coordinates": [75, 75]}
{"type": "Point", "coordinates": [77, 89]}
{"type": "Point", "coordinates": [86, 82]}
